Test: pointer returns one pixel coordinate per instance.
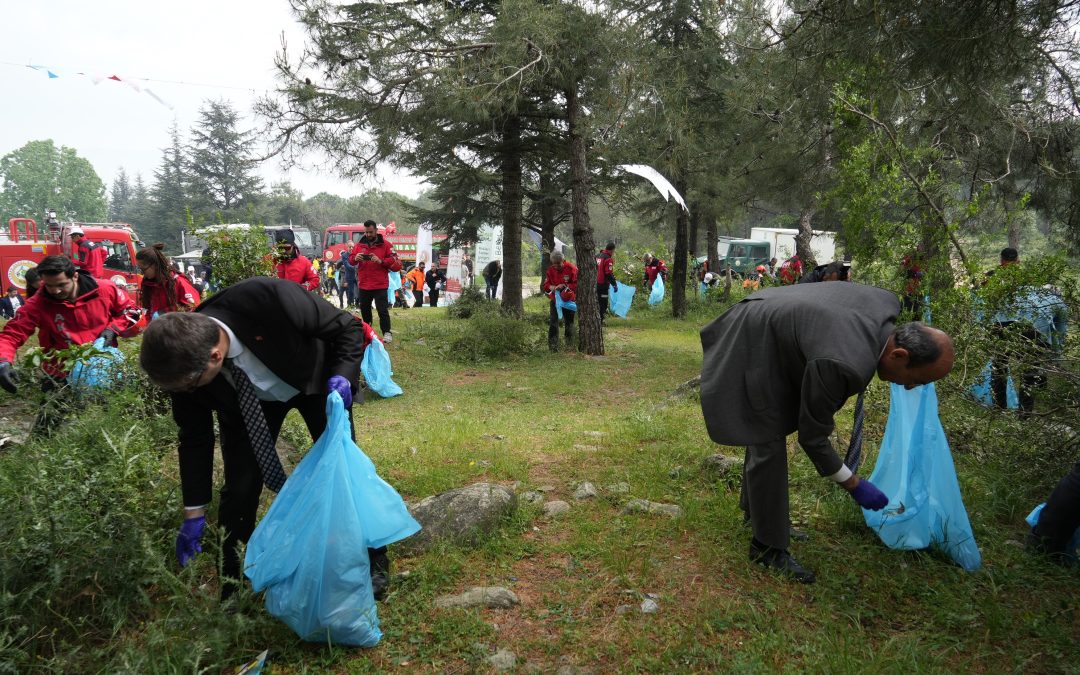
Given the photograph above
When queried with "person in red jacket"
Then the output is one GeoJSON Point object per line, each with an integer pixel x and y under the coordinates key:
{"type": "Point", "coordinates": [561, 278]}
{"type": "Point", "coordinates": [163, 290]}
{"type": "Point", "coordinates": [89, 257]}
{"type": "Point", "coordinates": [70, 309]}
{"type": "Point", "coordinates": [654, 267]}
{"type": "Point", "coordinates": [605, 277]}
{"type": "Point", "coordinates": [375, 259]}
{"type": "Point", "coordinates": [291, 265]}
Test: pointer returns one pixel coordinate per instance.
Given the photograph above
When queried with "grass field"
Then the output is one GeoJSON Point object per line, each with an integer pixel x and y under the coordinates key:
{"type": "Point", "coordinates": [551, 421]}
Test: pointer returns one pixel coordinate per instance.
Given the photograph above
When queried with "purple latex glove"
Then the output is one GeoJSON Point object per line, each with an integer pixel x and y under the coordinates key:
{"type": "Point", "coordinates": [189, 540]}
{"type": "Point", "coordinates": [340, 385]}
{"type": "Point", "coordinates": [868, 496]}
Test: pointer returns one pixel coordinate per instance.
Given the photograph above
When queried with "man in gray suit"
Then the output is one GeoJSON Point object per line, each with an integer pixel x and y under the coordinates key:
{"type": "Point", "coordinates": [786, 359]}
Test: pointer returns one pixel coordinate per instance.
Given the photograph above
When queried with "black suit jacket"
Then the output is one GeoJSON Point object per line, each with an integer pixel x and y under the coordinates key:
{"type": "Point", "coordinates": [6, 309]}
{"type": "Point", "coordinates": [786, 359]}
{"type": "Point", "coordinates": [302, 338]}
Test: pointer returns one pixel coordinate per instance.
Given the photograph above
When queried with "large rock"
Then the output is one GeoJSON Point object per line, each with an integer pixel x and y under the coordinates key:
{"type": "Point", "coordinates": [460, 516]}
{"type": "Point", "coordinates": [491, 597]}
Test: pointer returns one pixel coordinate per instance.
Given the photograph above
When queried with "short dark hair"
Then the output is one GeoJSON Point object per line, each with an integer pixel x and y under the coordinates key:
{"type": "Point", "coordinates": [13, 288]}
{"type": "Point", "coordinates": [837, 267]}
{"type": "Point", "coordinates": [610, 246]}
{"type": "Point", "coordinates": [1009, 254]}
{"type": "Point", "coordinates": [919, 342]}
{"type": "Point", "coordinates": [370, 223]}
{"type": "Point", "coordinates": [56, 264]}
{"type": "Point", "coordinates": [176, 347]}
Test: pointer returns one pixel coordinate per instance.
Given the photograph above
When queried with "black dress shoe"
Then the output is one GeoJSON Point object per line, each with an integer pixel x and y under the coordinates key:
{"type": "Point", "coordinates": [380, 572]}
{"type": "Point", "coordinates": [780, 560]}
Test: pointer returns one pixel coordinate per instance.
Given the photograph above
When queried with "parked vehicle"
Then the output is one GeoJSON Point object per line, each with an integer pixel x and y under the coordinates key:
{"type": "Point", "coordinates": [24, 243]}
{"type": "Point", "coordinates": [742, 256]}
{"type": "Point", "coordinates": [343, 236]}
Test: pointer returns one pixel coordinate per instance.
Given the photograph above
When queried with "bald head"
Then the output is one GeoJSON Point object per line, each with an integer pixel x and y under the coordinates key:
{"type": "Point", "coordinates": [916, 354]}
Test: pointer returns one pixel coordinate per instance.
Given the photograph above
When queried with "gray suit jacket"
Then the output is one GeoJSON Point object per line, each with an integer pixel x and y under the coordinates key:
{"type": "Point", "coordinates": [786, 359]}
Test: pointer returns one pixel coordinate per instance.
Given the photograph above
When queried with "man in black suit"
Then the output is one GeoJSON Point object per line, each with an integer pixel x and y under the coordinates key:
{"type": "Point", "coordinates": [786, 359]}
{"type": "Point", "coordinates": [266, 337]}
{"type": "Point", "coordinates": [10, 303]}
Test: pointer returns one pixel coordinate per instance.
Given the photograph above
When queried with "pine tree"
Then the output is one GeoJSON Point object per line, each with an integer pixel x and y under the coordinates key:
{"type": "Point", "coordinates": [221, 166]}
{"type": "Point", "coordinates": [119, 197]}
{"type": "Point", "coordinates": [171, 192]}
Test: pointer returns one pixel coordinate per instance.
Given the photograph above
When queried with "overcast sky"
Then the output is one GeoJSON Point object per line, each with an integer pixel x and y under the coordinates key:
{"type": "Point", "coordinates": [220, 49]}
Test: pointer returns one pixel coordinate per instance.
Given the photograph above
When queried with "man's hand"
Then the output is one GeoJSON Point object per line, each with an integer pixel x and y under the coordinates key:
{"type": "Point", "coordinates": [189, 540]}
{"type": "Point", "coordinates": [109, 336]}
{"type": "Point", "coordinates": [341, 386]}
{"type": "Point", "coordinates": [868, 496]}
{"type": "Point", "coordinates": [8, 377]}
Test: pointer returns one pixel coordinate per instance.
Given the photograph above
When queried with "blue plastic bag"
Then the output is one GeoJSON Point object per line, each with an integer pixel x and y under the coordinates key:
{"type": "Point", "coordinates": [377, 371]}
{"type": "Point", "coordinates": [395, 283]}
{"type": "Point", "coordinates": [621, 298]}
{"type": "Point", "coordinates": [1072, 550]}
{"type": "Point", "coordinates": [561, 304]}
{"type": "Point", "coordinates": [98, 372]}
{"type": "Point", "coordinates": [657, 294]}
{"type": "Point", "coordinates": [310, 550]}
{"type": "Point", "coordinates": [980, 391]}
{"type": "Point", "coordinates": [915, 469]}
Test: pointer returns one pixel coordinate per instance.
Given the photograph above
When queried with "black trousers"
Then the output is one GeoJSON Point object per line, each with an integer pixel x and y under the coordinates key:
{"type": "Point", "coordinates": [381, 306]}
{"type": "Point", "coordinates": [602, 299]}
{"type": "Point", "coordinates": [239, 505]}
{"type": "Point", "coordinates": [1018, 346]}
{"type": "Point", "coordinates": [433, 297]}
{"type": "Point", "coordinates": [1061, 515]}
{"type": "Point", "coordinates": [553, 326]}
{"type": "Point", "coordinates": [765, 492]}
{"type": "Point", "coordinates": [491, 288]}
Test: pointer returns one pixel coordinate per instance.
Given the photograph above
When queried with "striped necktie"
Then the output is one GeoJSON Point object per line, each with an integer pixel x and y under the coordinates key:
{"type": "Point", "coordinates": [854, 452]}
{"type": "Point", "coordinates": [262, 444]}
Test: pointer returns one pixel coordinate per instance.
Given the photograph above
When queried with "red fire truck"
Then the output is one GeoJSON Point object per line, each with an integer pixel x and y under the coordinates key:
{"type": "Point", "coordinates": [23, 244]}
{"type": "Point", "coordinates": [343, 236]}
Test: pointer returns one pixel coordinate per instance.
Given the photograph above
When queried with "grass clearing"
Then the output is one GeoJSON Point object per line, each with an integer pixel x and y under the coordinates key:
{"type": "Point", "coordinates": [553, 421]}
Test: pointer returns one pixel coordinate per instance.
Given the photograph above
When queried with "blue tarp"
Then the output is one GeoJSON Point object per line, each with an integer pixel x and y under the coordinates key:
{"type": "Point", "coordinates": [309, 553]}
{"type": "Point", "coordinates": [915, 469]}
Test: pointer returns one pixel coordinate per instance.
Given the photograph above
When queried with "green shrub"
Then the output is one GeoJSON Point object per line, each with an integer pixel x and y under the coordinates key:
{"type": "Point", "coordinates": [471, 301]}
{"type": "Point", "coordinates": [490, 336]}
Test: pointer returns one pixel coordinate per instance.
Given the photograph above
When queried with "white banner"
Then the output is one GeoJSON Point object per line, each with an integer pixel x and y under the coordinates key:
{"type": "Point", "coordinates": [423, 246]}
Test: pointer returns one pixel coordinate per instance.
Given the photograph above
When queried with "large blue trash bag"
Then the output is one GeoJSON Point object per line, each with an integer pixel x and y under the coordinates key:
{"type": "Point", "coordinates": [621, 299]}
{"type": "Point", "coordinates": [309, 553]}
{"type": "Point", "coordinates": [915, 469]}
{"type": "Point", "coordinates": [980, 391]}
{"type": "Point", "coordinates": [657, 294]}
{"type": "Point", "coordinates": [395, 283]}
{"type": "Point", "coordinates": [377, 371]}
{"type": "Point", "coordinates": [561, 304]}
{"type": "Point", "coordinates": [1072, 549]}
{"type": "Point", "coordinates": [98, 372]}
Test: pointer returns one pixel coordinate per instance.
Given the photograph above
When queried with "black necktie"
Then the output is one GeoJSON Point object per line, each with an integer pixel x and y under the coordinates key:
{"type": "Point", "coordinates": [854, 451]}
{"type": "Point", "coordinates": [262, 444]}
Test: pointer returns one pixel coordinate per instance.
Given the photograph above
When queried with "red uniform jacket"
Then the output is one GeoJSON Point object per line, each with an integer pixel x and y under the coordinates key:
{"type": "Point", "coordinates": [656, 266]}
{"type": "Point", "coordinates": [299, 270]}
{"type": "Point", "coordinates": [90, 258]}
{"type": "Point", "coordinates": [371, 275]}
{"type": "Point", "coordinates": [184, 295]}
{"type": "Point", "coordinates": [605, 269]}
{"type": "Point", "coordinates": [100, 304]}
{"type": "Point", "coordinates": [558, 275]}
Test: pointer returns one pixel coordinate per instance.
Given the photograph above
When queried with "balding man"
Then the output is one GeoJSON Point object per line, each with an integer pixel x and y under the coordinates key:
{"type": "Point", "coordinates": [785, 360]}
{"type": "Point", "coordinates": [560, 279]}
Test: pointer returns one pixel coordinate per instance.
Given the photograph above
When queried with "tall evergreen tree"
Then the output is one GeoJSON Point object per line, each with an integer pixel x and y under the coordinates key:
{"type": "Point", "coordinates": [170, 194]}
{"type": "Point", "coordinates": [119, 197]}
{"type": "Point", "coordinates": [221, 164]}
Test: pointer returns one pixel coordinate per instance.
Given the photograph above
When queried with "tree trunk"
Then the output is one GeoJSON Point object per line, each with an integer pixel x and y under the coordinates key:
{"type": "Point", "coordinates": [802, 239]}
{"type": "Point", "coordinates": [590, 333]}
{"type": "Point", "coordinates": [512, 196]}
{"type": "Point", "coordinates": [695, 222]}
{"type": "Point", "coordinates": [1012, 229]}
{"type": "Point", "coordinates": [678, 266]}
{"type": "Point", "coordinates": [710, 243]}
{"type": "Point", "coordinates": [547, 223]}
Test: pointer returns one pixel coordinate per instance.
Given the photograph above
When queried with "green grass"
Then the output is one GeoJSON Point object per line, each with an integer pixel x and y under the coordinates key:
{"type": "Point", "coordinates": [524, 419]}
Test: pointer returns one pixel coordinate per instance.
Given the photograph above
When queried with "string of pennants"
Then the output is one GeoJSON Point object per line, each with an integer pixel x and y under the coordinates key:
{"type": "Point", "coordinates": [97, 79]}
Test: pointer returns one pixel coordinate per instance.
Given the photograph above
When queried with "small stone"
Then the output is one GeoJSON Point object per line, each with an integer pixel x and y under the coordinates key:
{"type": "Point", "coordinates": [420, 341]}
{"type": "Point", "coordinates": [531, 497]}
{"type": "Point", "coordinates": [585, 491]}
{"type": "Point", "coordinates": [546, 488]}
{"type": "Point", "coordinates": [645, 506]}
{"type": "Point", "coordinates": [721, 465]}
{"type": "Point", "coordinates": [413, 451]}
{"type": "Point", "coordinates": [491, 597]}
{"type": "Point", "coordinates": [623, 609]}
{"type": "Point", "coordinates": [555, 508]}
{"type": "Point", "coordinates": [516, 485]}
{"type": "Point", "coordinates": [649, 606]}
{"type": "Point", "coordinates": [502, 660]}
{"type": "Point", "coordinates": [675, 472]}
{"type": "Point", "coordinates": [448, 408]}
{"type": "Point", "coordinates": [594, 434]}
{"type": "Point", "coordinates": [483, 462]}
{"type": "Point", "coordinates": [618, 488]}
{"type": "Point", "coordinates": [585, 448]}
